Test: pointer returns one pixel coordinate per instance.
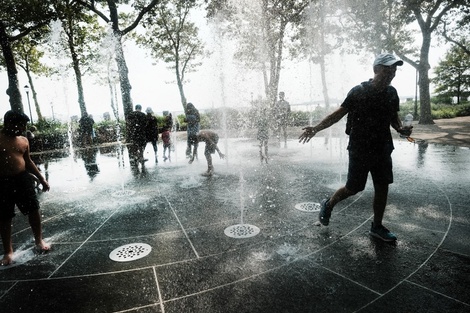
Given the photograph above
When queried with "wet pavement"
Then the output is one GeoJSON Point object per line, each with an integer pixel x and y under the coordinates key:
{"type": "Point", "coordinates": [163, 238]}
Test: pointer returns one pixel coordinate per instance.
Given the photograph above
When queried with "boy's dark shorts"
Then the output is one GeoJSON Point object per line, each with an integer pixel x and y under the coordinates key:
{"type": "Point", "coordinates": [360, 164]}
{"type": "Point", "coordinates": [19, 190]}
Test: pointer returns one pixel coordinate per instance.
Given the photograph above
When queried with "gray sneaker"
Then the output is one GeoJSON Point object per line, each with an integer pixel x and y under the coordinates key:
{"type": "Point", "coordinates": [382, 233]}
{"type": "Point", "coordinates": [325, 213]}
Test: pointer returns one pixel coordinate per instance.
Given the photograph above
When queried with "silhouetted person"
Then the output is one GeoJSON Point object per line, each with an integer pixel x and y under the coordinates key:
{"type": "Point", "coordinates": [16, 184]}
{"type": "Point", "coordinates": [151, 131]}
{"type": "Point", "coordinates": [166, 138]}
{"type": "Point", "coordinates": [211, 139]}
{"type": "Point", "coordinates": [136, 123]}
{"type": "Point", "coordinates": [85, 130]}
{"type": "Point", "coordinates": [192, 119]}
{"type": "Point", "coordinates": [372, 107]}
{"type": "Point", "coordinates": [168, 122]}
{"type": "Point", "coordinates": [281, 113]}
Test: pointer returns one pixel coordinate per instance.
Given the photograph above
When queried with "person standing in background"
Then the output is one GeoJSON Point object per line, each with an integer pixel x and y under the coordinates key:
{"type": "Point", "coordinates": [168, 122]}
{"type": "Point", "coordinates": [166, 138]}
{"type": "Point", "coordinates": [151, 131]}
{"type": "Point", "coordinates": [85, 130]}
{"type": "Point", "coordinates": [136, 124]}
{"type": "Point", "coordinates": [192, 119]}
{"type": "Point", "coordinates": [281, 115]}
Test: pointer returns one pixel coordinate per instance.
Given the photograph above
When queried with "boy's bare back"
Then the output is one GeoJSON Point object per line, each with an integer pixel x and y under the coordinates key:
{"type": "Point", "coordinates": [13, 151]}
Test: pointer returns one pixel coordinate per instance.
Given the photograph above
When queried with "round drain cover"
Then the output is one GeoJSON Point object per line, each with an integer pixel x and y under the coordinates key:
{"type": "Point", "coordinates": [241, 231]}
{"type": "Point", "coordinates": [123, 193]}
{"type": "Point", "coordinates": [130, 252]}
{"type": "Point", "coordinates": [308, 206]}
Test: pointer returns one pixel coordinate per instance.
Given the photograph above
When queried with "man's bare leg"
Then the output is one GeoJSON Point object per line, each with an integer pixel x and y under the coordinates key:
{"type": "Point", "coordinates": [340, 194]}
{"type": "Point", "coordinates": [35, 223]}
{"type": "Point", "coordinates": [380, 202]}
{"type": "Point", "coordinates": [5, 232]}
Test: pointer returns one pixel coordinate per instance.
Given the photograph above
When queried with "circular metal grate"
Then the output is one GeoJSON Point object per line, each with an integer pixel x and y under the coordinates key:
{"type": "Point", "coordinates": [130, 252]}
{"type": "Point", "coordinates": [308, 206]}
{"type": "Point", "coordinates": [241, 231]}
{"type": "Point", "coordinates": [123, 193]}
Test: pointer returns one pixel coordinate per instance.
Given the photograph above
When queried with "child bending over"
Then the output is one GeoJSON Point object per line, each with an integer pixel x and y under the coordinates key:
{"type": "Point", "coordinates": [211, 139]}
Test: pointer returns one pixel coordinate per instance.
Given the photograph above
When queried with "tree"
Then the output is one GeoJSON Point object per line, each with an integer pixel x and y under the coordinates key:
{"type": "Point", "coordinates": [429, 14]}
{"type": "Point", "coordinates": [81, 36]}
{"type": "Point", "coordinates": [318, 36]}
{"type": "Point", "coordinates": [17, 19]}
{"type": "Point", "coordinates": [453, 75]}
{"type": "Point", "coordinates": [113, 18]}
{"type": "Point", "coordinates": [171, 37]}
{"type": "Point", "coordinates": [28, 58]}
{"type": "Point", "coordinates": [261, 28]}
{"type": "Point", "coordinates": [456, 28]}
{"type": "Point", "coordinates": [390, 22]}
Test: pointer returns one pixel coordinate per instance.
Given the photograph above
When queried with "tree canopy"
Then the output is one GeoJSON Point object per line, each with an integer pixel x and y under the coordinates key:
{"type": "Point", "coordinates": [453, 74]}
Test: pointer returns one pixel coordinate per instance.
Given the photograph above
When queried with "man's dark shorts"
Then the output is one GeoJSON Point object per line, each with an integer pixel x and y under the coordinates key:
{"type": "Point", "coordinates": [19, 190]}
{"type": "Point", "coordinates": [361, 163]}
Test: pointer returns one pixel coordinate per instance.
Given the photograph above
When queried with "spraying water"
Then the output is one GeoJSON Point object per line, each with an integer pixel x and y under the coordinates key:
{"type": "Point", "coordinates": [242, 230]}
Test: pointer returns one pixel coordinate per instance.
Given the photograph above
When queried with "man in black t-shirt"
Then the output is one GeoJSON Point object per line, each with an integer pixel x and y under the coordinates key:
{"type": "Point", "coordinates": [372, 107]}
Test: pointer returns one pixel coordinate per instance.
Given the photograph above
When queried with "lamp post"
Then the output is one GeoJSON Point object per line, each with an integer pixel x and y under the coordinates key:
{"type": "Point", "coordinates": [52, 109]}
{"type": "Point", "coordinates": [416, 90]}
{"type": "Point", "coordinates": [26, 88]}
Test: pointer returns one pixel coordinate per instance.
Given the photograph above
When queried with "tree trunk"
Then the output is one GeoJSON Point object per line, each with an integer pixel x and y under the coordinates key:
{"type": "Point", "coordinates": [13, 90]}
{"type": "Point", "coordinates": [35, 96]}
{"type": "Point", "coordinates": [425, 116]}
{"type": "Point", "coordinates": [120, 60]}
{"type": "Point", "coordinates": [123, 78]}
{"type": "Point", "coordinates": [179, 81]}
{"type": "Point", "coordinates": [78, 79]}
{"type": "Point", "coordinates": [326, 98]}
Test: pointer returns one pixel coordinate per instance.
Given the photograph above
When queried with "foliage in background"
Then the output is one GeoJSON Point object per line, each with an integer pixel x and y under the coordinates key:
{"type": "Point", "coordinates": [453, 75]}
{"type": "Point", "coordinates": [439, 109]}
{"type": "Point", "coordinates": [172, 38]}
{"type": "Point", "coordinates": [55, 135]}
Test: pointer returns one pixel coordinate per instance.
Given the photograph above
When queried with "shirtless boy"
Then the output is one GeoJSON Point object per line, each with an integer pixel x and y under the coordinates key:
{"type": "Point", "coordinates": [211, 139]}
{"type": "Point", "coordinates": [16, 183]}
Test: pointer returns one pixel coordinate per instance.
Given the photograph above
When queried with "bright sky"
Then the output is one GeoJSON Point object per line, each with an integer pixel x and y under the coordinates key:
{"type": "Point", "coordinates": [218, 83]}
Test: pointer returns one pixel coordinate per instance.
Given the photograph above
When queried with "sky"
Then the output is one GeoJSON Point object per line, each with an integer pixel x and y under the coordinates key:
{"type": "Point", "coordinates": [219, 82]}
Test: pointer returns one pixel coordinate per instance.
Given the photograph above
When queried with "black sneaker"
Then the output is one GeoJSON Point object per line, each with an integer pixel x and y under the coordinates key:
{"type": "Point", "coordinates": [325, 213]}
{"type": "Point", "coordinates": [382, 233]}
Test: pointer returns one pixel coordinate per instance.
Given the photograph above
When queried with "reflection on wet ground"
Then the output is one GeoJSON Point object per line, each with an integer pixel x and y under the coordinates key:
{"type": "Point", "coordinates": [100, 206]}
